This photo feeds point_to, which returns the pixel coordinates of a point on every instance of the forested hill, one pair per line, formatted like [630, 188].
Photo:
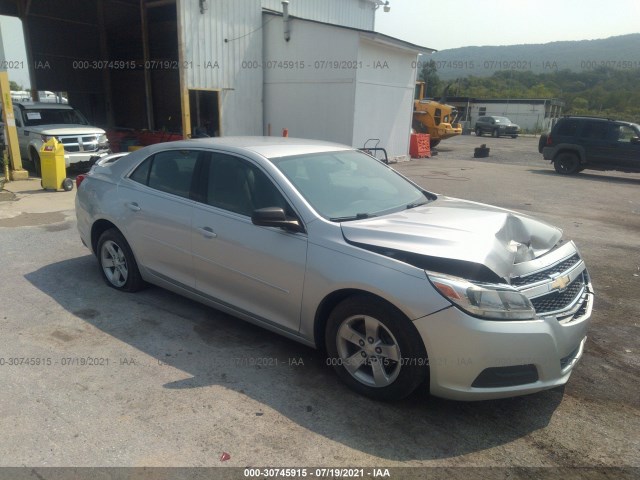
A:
[619, 53]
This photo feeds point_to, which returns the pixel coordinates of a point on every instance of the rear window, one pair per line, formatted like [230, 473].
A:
[170, 171]
[567, 128]
[595, 130]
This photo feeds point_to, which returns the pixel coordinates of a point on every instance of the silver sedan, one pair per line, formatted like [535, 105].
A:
[328, 246]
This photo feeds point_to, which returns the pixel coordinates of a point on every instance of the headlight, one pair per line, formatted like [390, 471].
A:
[46, 138]
[103, 141]
[493, 302]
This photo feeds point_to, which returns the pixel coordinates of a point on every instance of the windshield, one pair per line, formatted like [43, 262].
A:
[52, 116]
[349, 185]
[502, 120]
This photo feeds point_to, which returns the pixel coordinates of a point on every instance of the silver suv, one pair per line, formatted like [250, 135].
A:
[37, 122]
[332, 248]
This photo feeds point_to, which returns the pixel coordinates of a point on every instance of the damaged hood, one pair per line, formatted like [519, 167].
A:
[457, 229]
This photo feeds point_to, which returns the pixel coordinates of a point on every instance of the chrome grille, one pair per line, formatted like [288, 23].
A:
[556, 301]
[80, 143]
[546, 274]
[550, 292]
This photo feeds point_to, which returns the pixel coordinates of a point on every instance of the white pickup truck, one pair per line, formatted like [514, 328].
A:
[37, 122]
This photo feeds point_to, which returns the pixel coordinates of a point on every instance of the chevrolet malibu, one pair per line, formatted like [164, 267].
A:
[330, 247]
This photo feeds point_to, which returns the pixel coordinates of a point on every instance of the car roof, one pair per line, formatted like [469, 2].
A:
[269, 147]
[43, 105]
[591, 118]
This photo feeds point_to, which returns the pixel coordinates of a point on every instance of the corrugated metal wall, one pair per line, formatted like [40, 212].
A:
[223, 49]
[344, 86]
[219, 40]
[313, 99]
[220, 48]
[349, 13]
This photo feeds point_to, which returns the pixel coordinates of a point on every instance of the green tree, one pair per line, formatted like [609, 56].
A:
[429, 75]
[14, 86]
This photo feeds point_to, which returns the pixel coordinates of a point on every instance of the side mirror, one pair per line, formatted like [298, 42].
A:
[275, 217]
[635, 140]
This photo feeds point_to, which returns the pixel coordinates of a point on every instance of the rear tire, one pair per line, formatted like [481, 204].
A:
[566, 163]
[117, 263]
[375, 349]
[478, 132]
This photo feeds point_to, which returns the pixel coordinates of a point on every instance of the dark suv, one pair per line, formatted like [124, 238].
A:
[577, 143]
[496, 126]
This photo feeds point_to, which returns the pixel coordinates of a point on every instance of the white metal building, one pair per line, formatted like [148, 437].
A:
[533, 115]
[225, 67]
[320, 71]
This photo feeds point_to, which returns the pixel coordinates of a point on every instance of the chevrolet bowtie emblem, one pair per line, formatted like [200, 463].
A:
[561, 283]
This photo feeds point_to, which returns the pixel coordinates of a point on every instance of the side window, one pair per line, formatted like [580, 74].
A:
[567, 128]
[240, 187]
[170, 171]
[594, 130]
[622, 133]
[141, 174]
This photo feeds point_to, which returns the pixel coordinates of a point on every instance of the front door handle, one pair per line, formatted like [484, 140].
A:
[133, 206]
[208, 232]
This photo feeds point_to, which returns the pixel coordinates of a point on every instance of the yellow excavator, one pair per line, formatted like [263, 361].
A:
[435, 118]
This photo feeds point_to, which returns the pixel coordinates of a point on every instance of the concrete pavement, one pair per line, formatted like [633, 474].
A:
[26, 203]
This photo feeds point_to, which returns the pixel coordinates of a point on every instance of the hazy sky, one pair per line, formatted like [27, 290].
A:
[443, 24]
[14, 53]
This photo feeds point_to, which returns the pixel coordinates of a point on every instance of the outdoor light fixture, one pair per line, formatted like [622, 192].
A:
[381, 3]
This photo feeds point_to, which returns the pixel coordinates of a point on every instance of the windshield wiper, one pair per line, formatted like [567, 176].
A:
[357, 216]
[416, 204]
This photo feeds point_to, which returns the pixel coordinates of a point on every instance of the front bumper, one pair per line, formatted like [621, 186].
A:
[465, 351]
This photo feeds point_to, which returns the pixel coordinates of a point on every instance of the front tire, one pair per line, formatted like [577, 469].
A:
[375, 349]
[35, 161]
[117, 263]
[566, 163]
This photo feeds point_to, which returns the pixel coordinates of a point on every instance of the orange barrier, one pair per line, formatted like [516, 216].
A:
[420, 147]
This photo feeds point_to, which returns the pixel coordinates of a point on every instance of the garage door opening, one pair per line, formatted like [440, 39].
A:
[205, 113]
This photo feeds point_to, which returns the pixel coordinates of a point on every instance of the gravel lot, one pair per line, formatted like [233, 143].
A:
[153, 379]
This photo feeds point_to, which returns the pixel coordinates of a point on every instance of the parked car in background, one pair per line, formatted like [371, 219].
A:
[46, 96]
[578, 143]
[330, 247]
[496, 127]
[37, 122]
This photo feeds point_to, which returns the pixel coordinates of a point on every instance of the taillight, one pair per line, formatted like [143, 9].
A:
[549, 140]
[79, 179]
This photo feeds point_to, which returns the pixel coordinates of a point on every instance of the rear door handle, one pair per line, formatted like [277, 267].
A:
[207, 232]
[133, 206]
